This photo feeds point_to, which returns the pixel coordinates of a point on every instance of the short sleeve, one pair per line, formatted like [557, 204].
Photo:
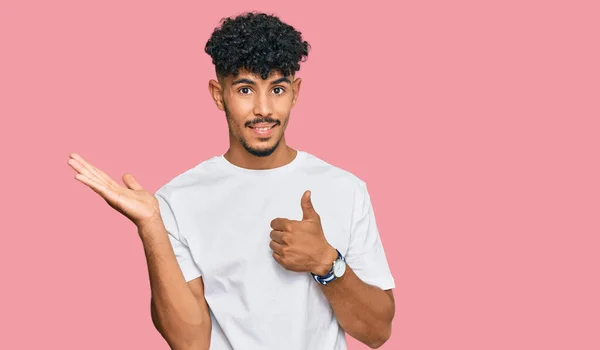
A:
[365, 255]
[182, 252]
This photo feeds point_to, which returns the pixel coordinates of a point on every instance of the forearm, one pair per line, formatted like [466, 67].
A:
[365, 312]
[176, 313]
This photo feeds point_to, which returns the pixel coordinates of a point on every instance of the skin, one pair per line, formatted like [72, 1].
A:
[178, 308]
[365, 312]
[247, 98]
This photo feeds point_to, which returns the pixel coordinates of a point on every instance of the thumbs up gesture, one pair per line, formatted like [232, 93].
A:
[301, 245]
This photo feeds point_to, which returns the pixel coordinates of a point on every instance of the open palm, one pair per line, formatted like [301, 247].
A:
[133, 201]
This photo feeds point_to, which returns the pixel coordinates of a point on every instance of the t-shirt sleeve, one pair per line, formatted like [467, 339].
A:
[182, 252]
[366, 256]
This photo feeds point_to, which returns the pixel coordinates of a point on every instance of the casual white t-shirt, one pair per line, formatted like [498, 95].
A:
[218, 218]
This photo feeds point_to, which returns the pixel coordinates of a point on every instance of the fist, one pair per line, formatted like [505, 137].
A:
[301, 246]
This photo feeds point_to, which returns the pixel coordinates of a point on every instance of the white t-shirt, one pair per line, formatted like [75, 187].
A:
[218, 218]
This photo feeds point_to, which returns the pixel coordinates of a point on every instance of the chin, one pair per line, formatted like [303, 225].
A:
[261, 149]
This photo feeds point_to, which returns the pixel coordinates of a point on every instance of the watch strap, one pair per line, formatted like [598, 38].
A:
[330, 276]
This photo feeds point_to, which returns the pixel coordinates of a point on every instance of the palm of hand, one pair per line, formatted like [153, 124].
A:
[133, 201]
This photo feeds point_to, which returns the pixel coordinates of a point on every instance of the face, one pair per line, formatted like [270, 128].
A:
[257, 109]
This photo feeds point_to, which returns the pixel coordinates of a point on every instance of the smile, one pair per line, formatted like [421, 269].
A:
[263, 129]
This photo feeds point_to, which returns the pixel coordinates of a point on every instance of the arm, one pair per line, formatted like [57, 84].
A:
[178, 308]
[364, 311]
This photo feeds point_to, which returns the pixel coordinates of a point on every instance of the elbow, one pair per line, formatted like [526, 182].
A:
[383, 331]
[376, 344]
[196, 337]
[373, 336]
[191, 334]
[380, 337]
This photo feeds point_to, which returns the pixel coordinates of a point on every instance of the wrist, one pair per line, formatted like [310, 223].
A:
[149, 221]
[326, 262]
[150, 228]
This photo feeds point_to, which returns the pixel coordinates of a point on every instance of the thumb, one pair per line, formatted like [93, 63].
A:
[308, 211]
[131, 182]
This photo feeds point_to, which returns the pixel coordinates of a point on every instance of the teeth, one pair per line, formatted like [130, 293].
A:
[262, 129]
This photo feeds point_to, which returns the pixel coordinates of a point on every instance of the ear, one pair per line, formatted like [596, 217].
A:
[216, 91]
[296, 88]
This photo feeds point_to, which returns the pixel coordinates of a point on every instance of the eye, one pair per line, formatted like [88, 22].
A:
[244, 90]
[278, 90]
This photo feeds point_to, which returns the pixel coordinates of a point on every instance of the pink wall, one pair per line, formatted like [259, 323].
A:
[476, 127]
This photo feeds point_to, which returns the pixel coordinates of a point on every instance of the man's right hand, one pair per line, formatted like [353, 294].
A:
[137, 204]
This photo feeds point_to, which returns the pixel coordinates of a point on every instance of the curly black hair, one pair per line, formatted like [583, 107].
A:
[256, 42]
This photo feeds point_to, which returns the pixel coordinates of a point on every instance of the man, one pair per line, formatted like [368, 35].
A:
[265, 246]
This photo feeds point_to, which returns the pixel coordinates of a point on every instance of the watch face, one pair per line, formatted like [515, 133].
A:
[339, 267]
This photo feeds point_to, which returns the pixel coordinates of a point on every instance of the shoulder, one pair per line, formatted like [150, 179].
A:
[331, 174]
[191, 179]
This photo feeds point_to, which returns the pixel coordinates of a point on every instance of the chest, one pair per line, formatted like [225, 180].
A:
[228, 227]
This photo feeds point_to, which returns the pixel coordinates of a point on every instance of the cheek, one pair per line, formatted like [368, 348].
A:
[282, 107]
[239, 110]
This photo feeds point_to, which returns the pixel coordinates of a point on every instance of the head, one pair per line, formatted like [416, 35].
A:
[256, 57]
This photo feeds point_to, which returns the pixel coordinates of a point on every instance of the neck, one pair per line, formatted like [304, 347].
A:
[238, 156]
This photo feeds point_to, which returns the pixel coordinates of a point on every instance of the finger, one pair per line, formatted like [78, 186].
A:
[308, 211]
[280, 224]
[98, 187]
[97, 172]
[276, 247]
[277, 236]
[82, 169]
[278, 258]
[86, 168]
[131, 182]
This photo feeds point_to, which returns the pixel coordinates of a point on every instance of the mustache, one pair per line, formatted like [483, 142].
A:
[268, 120]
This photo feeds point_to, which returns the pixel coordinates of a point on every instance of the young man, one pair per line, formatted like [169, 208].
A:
[265, 246]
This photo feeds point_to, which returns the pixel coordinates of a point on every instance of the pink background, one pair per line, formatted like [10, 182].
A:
[475, 125]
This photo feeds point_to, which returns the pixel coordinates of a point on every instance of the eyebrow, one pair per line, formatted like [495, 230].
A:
[251, 82]
[281, 80]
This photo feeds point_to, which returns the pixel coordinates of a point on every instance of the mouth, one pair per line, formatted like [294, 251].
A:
[263, 129]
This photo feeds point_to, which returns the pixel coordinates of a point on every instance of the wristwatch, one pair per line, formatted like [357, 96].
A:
[337, 270]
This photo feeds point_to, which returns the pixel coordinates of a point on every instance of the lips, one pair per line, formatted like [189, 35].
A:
[263, 129]
[263, 126]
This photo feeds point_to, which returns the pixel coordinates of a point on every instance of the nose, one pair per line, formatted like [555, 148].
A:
[262, 106]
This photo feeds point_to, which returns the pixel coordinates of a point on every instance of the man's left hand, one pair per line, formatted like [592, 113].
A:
[301, 245]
